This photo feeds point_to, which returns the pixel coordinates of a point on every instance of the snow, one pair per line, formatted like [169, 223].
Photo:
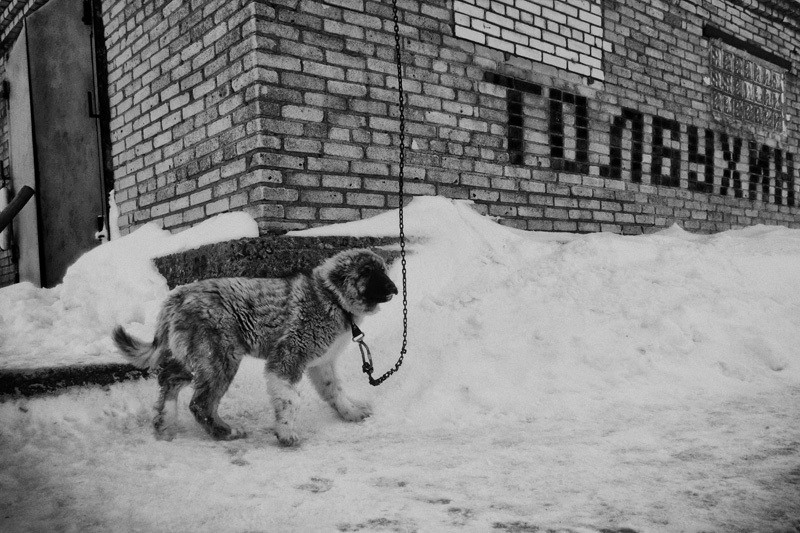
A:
[115, 283]
[552, 382]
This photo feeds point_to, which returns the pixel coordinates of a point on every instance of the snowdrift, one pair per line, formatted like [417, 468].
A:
[525, 323]
[500, 320]
[115, 283]
[552, 382]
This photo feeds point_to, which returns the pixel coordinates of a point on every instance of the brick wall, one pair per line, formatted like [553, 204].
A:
[595, 119]
[566, 34]
[183, 94]
[8, 268]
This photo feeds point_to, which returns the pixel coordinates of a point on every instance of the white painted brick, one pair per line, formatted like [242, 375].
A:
[470, 35]
[598, 74]
[556, 40]
[567, 54]
[543, 46]
[527, 29]
[554, 61]
[529, 7]
[592, 19]
[500, 20]
[567, 9]
[581, 4]
[529, 53]
[486, 27]
[591, 62]
[499, 44]
[514, 37]
[461, 19]
[580, 26]
[579, 68]
[459, 6]
[555, 16]
[578, 46]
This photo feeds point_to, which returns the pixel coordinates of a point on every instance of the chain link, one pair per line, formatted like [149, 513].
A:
[401, 199]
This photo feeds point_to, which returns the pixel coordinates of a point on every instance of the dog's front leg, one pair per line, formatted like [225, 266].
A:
[285, 401]
[327, 383]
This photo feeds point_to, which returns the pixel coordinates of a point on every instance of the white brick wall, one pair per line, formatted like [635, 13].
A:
[565, 34]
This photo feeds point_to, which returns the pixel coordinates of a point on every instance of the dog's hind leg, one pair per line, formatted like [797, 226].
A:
[327, 383]
[172, 377]
[212, 377]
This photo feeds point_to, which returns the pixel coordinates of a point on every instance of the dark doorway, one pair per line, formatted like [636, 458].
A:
[64, 132]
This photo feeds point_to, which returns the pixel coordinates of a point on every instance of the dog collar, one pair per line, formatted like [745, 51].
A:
[358, 335]
[366, 354]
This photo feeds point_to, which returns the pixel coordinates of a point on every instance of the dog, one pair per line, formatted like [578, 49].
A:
[297, 325]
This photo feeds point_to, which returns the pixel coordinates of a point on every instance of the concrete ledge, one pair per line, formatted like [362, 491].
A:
[36, 381]
[261, 257]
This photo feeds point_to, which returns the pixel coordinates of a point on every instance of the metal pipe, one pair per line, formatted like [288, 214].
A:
[15, 206]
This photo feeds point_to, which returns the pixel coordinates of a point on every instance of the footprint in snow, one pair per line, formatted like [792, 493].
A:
[316, 485]
[386, 482]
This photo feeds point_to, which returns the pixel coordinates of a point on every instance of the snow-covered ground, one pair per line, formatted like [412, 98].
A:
[553, 382]
[116, 283]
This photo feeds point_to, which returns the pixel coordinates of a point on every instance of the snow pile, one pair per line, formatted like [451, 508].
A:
[115, 283]
[492, 310]
[552, 382]
[516, 323]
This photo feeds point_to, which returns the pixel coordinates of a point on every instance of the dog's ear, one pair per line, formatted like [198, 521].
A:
[339, 275]
[336, 271]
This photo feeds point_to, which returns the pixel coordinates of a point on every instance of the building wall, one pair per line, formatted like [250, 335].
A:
[183, 95]
[566, 116]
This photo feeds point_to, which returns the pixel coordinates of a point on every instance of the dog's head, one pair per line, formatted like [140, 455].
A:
[359, 280]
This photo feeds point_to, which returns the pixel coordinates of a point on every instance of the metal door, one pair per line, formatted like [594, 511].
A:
[23, 161]
[70, 193]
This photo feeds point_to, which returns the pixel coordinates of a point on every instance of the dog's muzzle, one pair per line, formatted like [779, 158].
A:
[380, 289]
[391, 290]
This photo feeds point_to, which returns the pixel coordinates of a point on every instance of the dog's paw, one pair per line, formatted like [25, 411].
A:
[162, 430]
[165, 434]
[288, 439]
[225, 432]
[235, 433]
[354, 411]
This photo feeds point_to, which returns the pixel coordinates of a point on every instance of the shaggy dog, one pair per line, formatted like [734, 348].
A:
[295, 324]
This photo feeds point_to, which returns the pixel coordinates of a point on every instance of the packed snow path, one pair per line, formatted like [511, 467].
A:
[86, 461]
[553, 382]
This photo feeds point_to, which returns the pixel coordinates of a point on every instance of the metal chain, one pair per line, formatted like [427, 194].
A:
[366, 356]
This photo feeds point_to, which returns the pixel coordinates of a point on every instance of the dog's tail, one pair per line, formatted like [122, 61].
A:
[138, 353]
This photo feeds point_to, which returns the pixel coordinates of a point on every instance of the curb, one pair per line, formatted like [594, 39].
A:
[21, 382]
